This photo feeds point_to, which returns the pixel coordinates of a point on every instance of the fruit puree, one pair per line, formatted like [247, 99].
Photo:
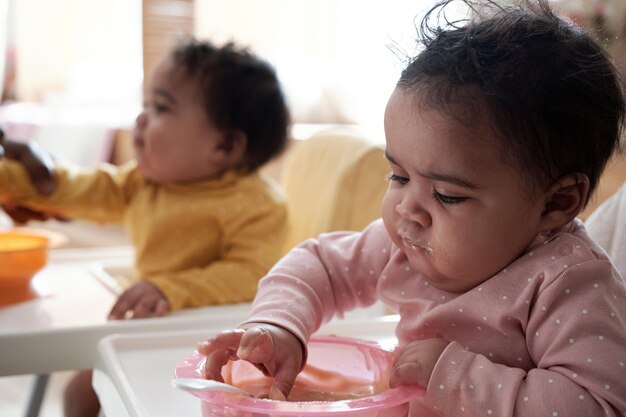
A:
[312, 384]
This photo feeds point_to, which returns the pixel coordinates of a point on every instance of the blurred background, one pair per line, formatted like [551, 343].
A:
[83, 62]
[73, 70]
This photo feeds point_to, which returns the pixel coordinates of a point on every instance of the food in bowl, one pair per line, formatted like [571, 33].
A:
[343, 376]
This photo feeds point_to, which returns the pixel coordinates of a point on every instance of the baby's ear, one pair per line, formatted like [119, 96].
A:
[565, 198]
[233, 146]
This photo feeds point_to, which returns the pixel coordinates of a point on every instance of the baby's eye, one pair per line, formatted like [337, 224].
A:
[447, 199]
[397, 178]
[160, 108]
[156, 105]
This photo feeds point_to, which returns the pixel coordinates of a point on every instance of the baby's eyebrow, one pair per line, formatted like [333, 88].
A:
[452, 179]
[165, 94]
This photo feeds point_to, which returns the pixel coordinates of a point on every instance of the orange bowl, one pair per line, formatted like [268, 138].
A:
[22, 255]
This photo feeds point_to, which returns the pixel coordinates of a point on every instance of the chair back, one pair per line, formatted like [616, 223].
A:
[333, 181]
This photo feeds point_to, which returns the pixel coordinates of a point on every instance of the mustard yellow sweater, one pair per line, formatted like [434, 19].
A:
[200, 243]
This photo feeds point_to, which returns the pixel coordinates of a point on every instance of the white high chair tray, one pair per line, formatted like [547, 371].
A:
[133, 372]
[116, 277]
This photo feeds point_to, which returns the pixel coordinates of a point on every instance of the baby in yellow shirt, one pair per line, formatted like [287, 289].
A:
[205, 224]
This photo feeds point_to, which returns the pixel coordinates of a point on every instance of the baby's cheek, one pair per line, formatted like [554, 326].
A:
[454, 256]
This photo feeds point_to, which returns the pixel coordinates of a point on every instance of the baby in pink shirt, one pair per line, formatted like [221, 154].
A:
[497, 134]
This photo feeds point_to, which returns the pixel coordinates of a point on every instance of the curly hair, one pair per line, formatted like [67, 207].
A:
[241, 93]
[551, 93]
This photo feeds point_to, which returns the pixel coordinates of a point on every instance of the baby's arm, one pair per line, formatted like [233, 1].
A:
[309, 285]
[99, 195]
[575, 335]
[245, 256]
[40, 168]
[38, 163]
[323, 278]
[274, 350]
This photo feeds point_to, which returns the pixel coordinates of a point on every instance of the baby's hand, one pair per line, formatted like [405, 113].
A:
[416, 361]
[272, 349]
[139, 301]
[22, 215]
[40, 167]
[37, 162]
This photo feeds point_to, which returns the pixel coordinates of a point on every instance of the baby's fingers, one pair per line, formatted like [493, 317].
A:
[416, 362]
[124, 305]
[218, 350]
[224, 340]
[283, 382]
[409, 373]
[256, 346]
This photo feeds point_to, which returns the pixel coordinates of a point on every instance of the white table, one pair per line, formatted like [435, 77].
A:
[133, 372]
[60, 330]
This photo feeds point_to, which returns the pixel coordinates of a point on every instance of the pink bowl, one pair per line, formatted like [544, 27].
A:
[356, 371]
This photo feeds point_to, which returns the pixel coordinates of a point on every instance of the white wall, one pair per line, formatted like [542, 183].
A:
[84, 50]
[332, 55]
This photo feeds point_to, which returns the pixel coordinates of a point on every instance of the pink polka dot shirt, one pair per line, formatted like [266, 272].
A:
[546, 336]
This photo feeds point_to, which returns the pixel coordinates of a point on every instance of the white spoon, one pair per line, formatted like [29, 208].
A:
[200, 384]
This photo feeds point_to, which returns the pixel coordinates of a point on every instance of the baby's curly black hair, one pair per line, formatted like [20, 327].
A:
[551, 93]
[241, 93]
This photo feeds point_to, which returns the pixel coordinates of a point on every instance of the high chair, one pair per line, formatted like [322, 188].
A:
[334, 180]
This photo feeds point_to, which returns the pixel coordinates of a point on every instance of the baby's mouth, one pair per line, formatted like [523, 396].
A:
[417, 244]
[138, 142]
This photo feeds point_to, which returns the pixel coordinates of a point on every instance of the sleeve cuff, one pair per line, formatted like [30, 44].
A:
[444, 381]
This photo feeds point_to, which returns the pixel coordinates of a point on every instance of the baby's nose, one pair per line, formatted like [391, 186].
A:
[414, 213]
[141, 119]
